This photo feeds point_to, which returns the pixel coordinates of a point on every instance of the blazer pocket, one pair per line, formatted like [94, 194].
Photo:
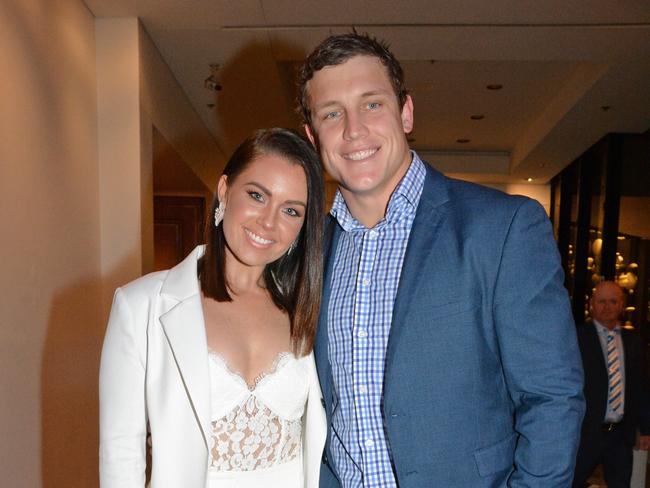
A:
[497, 457]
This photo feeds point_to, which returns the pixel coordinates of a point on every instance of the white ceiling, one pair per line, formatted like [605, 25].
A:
[559, 61]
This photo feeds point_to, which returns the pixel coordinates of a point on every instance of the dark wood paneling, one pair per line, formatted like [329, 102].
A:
[178, 228]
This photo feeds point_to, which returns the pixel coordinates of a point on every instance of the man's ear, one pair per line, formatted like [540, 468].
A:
[222, 188]
[407, 114]
[310, 135]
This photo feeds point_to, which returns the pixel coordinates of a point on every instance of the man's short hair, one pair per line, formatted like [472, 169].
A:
[337, 50]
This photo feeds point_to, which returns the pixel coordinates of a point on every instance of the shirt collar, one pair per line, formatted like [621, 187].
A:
[604, 330]
[404, 199]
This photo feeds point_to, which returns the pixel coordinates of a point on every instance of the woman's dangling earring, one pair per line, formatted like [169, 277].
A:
[218, 213]
[291, 247]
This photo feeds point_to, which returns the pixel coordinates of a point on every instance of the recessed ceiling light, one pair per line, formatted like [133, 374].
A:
[494, 86]
[477, 117]
[529, 179]
[462, 141]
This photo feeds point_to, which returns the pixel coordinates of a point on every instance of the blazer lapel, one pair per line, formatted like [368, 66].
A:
[598, 351]
[185, 331]
[321, 343]
[422, 241]
[315, 428]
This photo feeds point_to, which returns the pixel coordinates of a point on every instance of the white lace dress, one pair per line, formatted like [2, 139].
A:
[257, 429]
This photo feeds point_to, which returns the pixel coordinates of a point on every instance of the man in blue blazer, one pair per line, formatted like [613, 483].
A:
[446, 350]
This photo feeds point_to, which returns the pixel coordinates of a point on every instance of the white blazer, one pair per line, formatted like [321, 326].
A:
[154, 370]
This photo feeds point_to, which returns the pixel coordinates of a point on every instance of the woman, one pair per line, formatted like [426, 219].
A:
[213, 357]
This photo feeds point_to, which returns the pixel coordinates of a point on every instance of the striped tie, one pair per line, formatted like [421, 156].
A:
[615, 396]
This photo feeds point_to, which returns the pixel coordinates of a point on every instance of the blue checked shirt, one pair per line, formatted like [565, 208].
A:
[366, 272]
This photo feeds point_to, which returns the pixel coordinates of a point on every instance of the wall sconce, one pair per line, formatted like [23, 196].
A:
[212, 82]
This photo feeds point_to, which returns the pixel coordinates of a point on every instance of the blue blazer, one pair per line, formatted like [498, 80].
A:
[483, 378]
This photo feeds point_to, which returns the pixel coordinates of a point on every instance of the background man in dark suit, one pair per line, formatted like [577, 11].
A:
[446, 350]
[616, 391]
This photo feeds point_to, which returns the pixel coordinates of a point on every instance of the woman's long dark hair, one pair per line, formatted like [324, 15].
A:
[294, 281]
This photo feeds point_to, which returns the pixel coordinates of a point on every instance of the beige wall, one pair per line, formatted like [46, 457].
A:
[120, 174]
[50, 328]
[541, 193]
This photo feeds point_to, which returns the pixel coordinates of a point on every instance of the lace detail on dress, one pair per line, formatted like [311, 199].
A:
[279, 361]
[251, 436]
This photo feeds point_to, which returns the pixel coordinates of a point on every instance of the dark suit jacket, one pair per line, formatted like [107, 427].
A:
[483, 381]
[637, 399]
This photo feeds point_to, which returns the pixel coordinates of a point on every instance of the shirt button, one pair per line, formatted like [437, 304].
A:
[363, 388]
[366, 281]
[362, 333]
[369, 443]
[372, 234]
